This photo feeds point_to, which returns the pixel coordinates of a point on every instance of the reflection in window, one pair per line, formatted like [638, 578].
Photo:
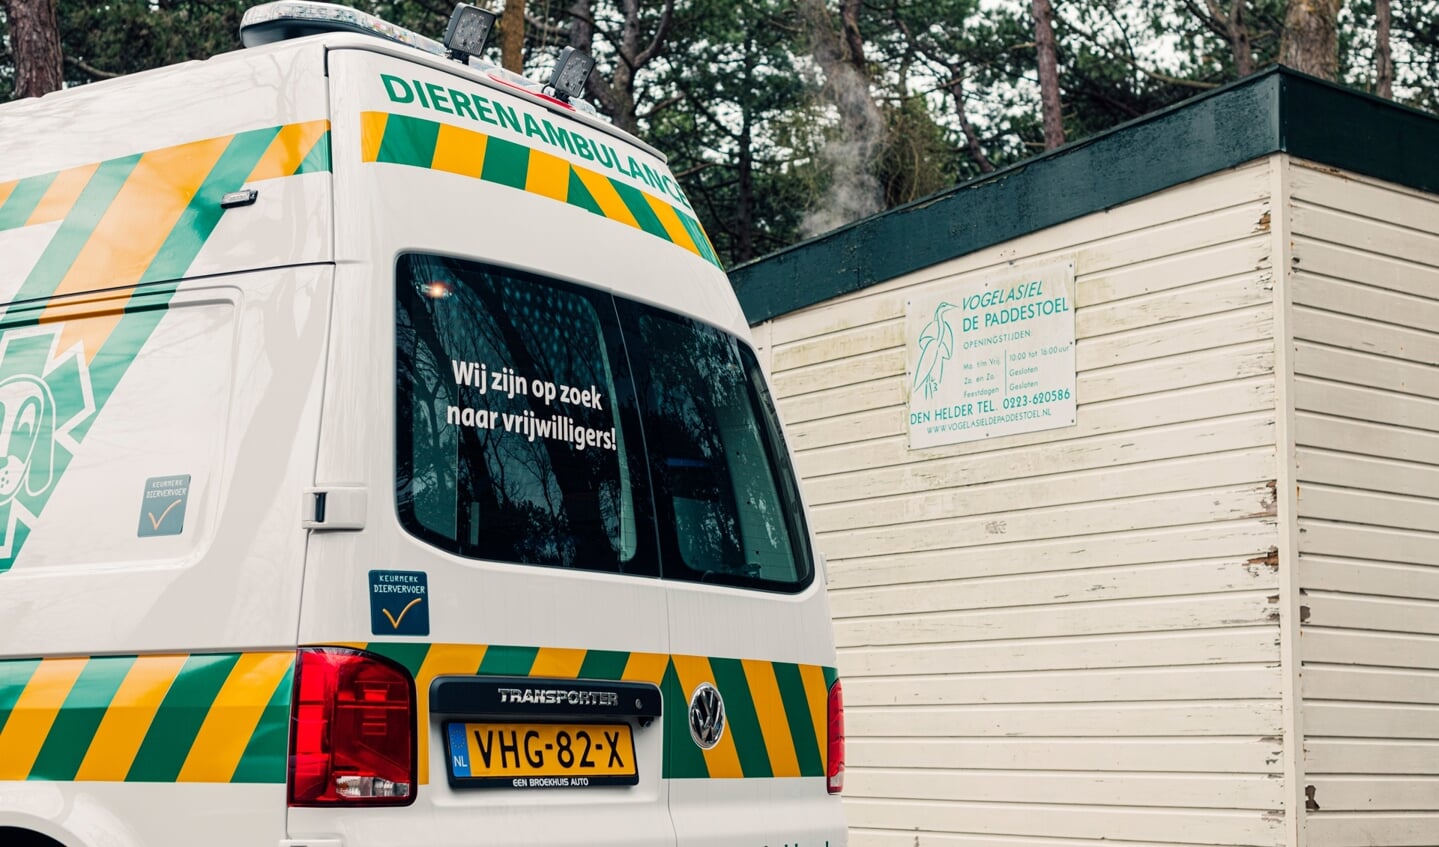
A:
[535, 418]
[714, 452]
[516, 451]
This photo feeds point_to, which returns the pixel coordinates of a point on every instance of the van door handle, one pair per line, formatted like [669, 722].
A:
[334, 507]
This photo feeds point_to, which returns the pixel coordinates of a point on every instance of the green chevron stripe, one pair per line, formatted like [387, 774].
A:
[604, 664]
[796, 712]
[508, 661]
[75, 726]
[266, 757]
[14, 676]
[179, 718]
[22, 201]
[741, 718]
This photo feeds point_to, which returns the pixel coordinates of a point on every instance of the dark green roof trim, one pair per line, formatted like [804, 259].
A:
[1278, 110]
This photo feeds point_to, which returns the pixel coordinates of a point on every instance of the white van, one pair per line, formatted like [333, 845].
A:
[386, 463]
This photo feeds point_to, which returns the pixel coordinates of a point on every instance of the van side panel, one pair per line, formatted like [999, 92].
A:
[159, 402]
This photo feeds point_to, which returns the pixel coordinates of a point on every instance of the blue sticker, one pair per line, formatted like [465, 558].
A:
[399, 603]
[459, 750]
[162, 507]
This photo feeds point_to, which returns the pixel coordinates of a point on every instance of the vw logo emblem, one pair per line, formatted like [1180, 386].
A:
[706, 716]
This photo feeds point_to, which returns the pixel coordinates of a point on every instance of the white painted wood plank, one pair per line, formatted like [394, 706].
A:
[906, 838]
[1209, 791]
[1135, 450]
[1366, 301]
[1359, 829]
[1238, 218]
[1172, 579]
[1176, 372]
[1349, 401]
[1338, 365]
[1245, 252]
[1239, 682]
[1370, 720]
[1254, 755]
[1369, 685]
[1380, 544]
[1211, 297]
[1103, 617]
[1232, 503]
[1394, 342]
[1375, 236]
[1362, 577]
[1133, 415]
[843, 344]
[1253, 323]
[1371, 269]
[886, 393]
[1374, 439]
[854, 370]
[1154, 649]
[1132, 720]
[1372, 508]
[1376, 793]
[1371, 756]
[1361, 196]
[895, 501]
[1107, 823]
[1367, 473]
[1383, 649]
[1380, 614]
[861, 428]
[1249, 541]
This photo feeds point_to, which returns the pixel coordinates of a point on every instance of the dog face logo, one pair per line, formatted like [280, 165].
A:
[44, 396]
[27, 430]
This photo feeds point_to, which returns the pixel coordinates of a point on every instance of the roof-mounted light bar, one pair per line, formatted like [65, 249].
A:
[272, 22]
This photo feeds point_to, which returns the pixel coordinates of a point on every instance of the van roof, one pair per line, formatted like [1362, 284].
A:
[95, 109]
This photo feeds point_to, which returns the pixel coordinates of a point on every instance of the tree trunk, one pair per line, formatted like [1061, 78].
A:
[1048, 74]
[35, 44]
[1383, 59]
[971, 138]
[512, 36]
[1239, 39]
[1311, 37]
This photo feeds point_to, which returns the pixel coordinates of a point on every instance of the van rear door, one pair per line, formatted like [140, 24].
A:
[478, 426]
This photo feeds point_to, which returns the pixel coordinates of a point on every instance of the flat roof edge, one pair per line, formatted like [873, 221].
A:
[1277, 110]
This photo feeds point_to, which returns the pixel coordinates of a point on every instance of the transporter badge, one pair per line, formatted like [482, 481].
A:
[706, 716]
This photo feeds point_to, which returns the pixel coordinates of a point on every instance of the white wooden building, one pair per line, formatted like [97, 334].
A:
[1208, 611]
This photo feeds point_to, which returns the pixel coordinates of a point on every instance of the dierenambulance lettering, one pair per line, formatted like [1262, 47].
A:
[478, 108]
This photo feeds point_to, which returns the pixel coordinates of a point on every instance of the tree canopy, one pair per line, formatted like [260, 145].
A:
[786, 118]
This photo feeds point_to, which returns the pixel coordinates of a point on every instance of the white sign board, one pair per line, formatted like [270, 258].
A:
[992, 357]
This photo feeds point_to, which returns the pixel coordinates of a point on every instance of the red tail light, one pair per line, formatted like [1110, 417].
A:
[835, 770]
[352, 730]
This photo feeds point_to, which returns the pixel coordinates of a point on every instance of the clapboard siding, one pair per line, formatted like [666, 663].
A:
[1028, 624]
[1365, 324]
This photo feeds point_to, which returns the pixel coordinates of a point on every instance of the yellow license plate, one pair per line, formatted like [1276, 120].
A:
[542, 755]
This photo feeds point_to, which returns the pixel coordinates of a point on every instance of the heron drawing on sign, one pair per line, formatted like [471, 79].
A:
[936, 346]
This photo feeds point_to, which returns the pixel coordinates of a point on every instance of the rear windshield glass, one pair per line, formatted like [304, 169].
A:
[546, 423]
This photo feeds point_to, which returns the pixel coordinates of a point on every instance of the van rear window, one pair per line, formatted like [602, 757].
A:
[546, 423]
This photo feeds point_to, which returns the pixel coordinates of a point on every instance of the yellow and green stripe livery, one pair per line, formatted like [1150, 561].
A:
[404, 140]
[775, 711]
[162, 718]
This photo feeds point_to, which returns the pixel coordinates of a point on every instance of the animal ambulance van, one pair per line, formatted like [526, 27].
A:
[386, 462]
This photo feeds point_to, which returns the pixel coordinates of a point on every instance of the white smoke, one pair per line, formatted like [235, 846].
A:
[847, 158]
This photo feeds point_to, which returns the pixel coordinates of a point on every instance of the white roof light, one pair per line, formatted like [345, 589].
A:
[273, 22]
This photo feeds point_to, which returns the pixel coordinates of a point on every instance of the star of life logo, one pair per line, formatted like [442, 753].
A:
[45, 395]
